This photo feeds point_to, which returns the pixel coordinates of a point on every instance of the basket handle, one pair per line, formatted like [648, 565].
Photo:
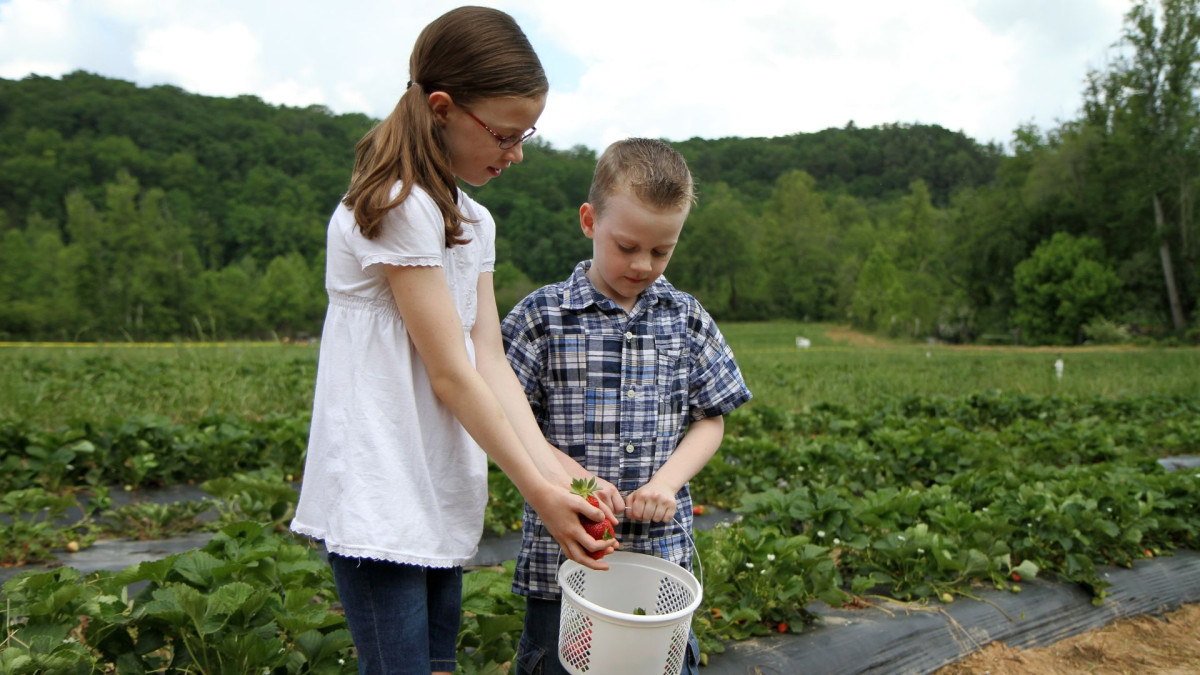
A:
[695, 549]
[675, 519]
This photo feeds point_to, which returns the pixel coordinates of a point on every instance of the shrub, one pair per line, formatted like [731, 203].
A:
[1102, 331]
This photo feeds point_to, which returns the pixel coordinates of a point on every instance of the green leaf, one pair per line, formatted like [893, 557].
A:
[197, 567]
[190, 601]
[319, 648]
[235, 597]
[1026, 570]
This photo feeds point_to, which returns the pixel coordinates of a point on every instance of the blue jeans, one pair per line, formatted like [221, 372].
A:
[537, 654]
[403, 618]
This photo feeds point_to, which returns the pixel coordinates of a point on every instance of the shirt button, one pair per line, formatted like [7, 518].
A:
[630, 394]
[629, 447]
[628, 336]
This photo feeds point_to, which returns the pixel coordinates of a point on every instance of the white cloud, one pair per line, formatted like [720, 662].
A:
[781, 68]
[291, 92]
[17, 69]
[219, 61]
[668, 68]
[38, 19]
[29, 31]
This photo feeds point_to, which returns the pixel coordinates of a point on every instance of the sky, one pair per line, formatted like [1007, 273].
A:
[672, 69]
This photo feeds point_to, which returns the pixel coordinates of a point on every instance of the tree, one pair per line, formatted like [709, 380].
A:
[143, 204]
[289, 298]
[715, 257]
[1147, 104]
[228, 302]
[799, 245]
[880, 300]
[921, 230]
[1064, 285]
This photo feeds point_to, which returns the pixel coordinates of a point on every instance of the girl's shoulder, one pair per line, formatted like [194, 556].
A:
[471, 208]
[418, 198]
[420, 201]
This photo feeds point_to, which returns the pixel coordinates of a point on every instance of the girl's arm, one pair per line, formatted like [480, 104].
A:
[425, 304]
[656, 499]
[491, 362]
[607, 494]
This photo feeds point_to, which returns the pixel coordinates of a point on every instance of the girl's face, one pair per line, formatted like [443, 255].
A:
[631, 245]
[475, 152]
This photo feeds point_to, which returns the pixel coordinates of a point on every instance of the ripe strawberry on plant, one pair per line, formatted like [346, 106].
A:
[599, 529]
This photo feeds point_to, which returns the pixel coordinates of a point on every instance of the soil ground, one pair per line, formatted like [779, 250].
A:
[1142, 645]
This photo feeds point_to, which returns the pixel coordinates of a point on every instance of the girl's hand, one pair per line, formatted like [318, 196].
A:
[560, 511]
[651, 502]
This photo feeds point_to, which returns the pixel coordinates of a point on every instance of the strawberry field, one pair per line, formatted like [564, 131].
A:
[915, 472]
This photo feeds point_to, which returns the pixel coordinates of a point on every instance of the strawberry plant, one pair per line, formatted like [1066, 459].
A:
[757, 577]
[492, 619]
[506, 506]
[150, 520]
[30, 525]
[41, 640]
[912, 497]
[249, 601]
[260, 496]
[148, 451]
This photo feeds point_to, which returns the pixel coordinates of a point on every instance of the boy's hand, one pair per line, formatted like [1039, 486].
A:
[611, 500]
[651, 502]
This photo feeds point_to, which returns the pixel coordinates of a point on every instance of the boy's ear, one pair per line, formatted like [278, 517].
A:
[587, 220]
[440, 103]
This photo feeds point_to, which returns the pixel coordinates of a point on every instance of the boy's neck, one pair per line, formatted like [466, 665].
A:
[626, 304]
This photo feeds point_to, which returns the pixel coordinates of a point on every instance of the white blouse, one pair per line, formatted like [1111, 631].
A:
[390, 473]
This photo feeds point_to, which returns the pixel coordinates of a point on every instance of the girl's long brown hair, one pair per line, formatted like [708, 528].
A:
[471, 53]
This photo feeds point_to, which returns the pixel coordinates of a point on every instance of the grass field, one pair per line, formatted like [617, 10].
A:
[50, 385]
[846, 369]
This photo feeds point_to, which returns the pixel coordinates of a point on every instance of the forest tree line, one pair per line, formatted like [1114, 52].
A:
[131, 213]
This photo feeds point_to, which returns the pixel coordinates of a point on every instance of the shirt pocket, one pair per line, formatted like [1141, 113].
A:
[671, 382]
[671, 365]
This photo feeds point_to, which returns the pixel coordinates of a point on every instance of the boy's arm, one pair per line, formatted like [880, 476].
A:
[656, 499]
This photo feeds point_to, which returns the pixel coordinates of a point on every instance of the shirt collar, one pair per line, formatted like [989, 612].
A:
[580, 293]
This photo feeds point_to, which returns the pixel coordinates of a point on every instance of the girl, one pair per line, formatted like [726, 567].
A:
[412, 378]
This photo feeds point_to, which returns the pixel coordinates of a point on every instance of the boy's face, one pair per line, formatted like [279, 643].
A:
[631, 245]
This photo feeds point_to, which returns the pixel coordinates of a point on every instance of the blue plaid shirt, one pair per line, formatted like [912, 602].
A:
[616, 392]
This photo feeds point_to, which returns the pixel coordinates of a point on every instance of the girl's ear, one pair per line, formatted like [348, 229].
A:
[587, 220]
[440, 103]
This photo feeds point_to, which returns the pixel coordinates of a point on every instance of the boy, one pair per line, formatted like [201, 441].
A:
[627, 376]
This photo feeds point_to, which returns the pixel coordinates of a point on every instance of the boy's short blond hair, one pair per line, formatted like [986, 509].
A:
[653, 172]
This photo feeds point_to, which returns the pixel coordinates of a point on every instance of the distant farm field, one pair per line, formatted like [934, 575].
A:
[844, 368]
[52, 385]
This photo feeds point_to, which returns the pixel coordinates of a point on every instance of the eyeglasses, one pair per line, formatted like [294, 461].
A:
[506, 142]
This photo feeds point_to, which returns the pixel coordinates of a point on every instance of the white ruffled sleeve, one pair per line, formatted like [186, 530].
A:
[412, 235]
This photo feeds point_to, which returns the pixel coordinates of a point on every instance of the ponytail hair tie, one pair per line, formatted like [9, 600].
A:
[411, 83]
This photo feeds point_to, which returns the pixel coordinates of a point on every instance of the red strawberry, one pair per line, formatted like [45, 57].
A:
[599, 529]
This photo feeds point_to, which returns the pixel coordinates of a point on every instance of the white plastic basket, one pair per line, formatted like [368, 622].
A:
[598, 632]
